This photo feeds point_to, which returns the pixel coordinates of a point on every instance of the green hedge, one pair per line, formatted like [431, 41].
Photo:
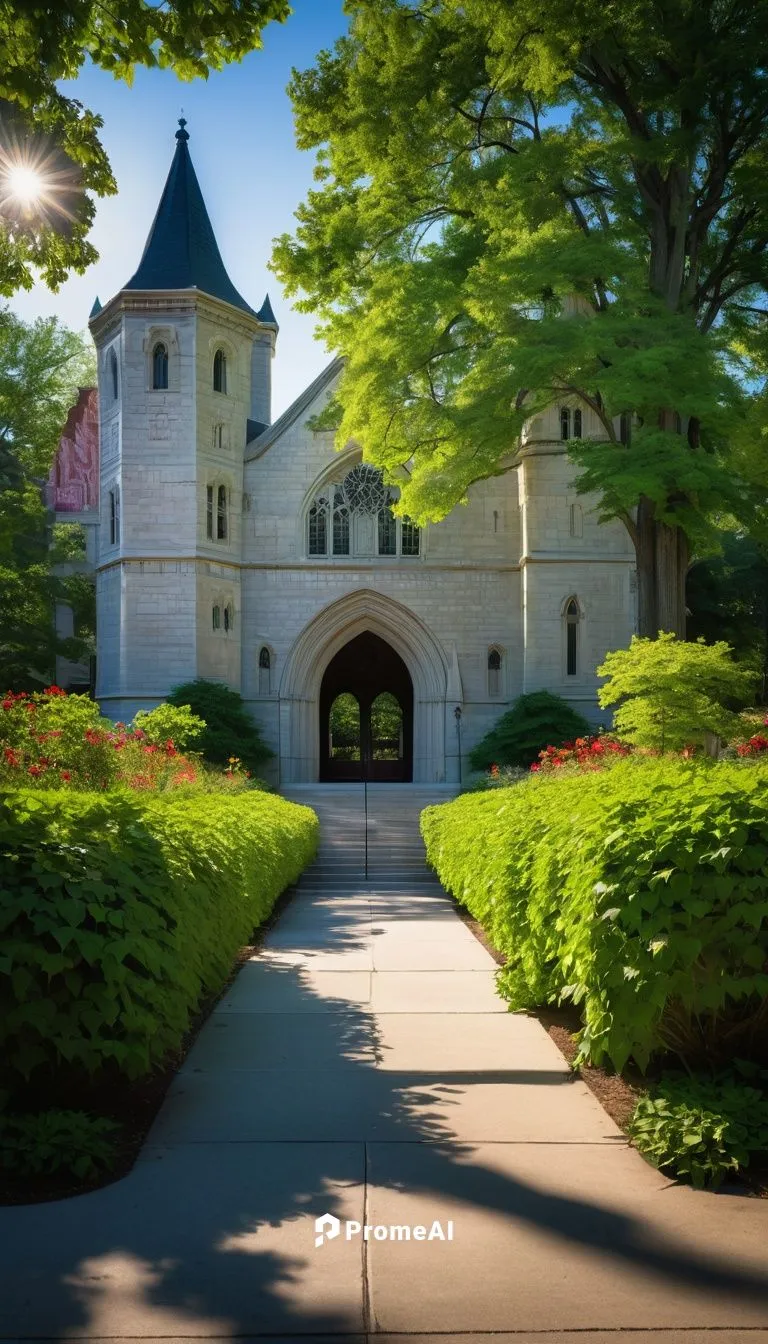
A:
[119, 912]
[639, 892]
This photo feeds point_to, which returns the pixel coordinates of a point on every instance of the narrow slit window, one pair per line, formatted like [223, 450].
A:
[576, 520]
[229, 619]
[494, 673]
[160, 366]
[113, 378]
[209, 512]
[625, 427]
[114, 517]
[565, 423]
[220, 371]
[571, 637]
[221, 513]
[577, 423]
[216, 617]
[265, 670]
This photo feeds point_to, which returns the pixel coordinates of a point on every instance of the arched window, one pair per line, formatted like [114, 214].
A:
[216, 614]
[113, 381]
[221, 514]
[229, 617]
[576, 521]
[265, 671]
[494, 673]
[577, 423]
[160, 365]
[565, 423]
[219, 371]
[354, 516]
[571, 637]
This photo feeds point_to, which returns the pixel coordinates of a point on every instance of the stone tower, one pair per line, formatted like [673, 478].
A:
[184, 369]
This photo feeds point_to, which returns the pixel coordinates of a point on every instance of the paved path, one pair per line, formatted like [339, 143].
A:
[363, 1066]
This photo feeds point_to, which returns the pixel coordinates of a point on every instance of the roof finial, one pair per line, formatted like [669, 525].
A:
[181, 134]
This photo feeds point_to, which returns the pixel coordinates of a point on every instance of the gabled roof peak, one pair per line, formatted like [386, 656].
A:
[181, 251]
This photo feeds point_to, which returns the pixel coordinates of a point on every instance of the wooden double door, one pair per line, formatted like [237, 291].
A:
[366, 714]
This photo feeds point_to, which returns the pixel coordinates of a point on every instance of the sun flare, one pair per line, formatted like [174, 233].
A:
[25, 184]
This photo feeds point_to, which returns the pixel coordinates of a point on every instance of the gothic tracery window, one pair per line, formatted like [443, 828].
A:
[354, 517]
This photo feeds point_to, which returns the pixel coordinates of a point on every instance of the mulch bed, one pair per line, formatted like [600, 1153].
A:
[133, 1105]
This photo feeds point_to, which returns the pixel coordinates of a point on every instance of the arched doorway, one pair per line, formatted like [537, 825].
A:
[366, 714]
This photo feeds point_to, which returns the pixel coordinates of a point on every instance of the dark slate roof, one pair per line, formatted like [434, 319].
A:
[181, 251]
[253, 428]
[265, 313]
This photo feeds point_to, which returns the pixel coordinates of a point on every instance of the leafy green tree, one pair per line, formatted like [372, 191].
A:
[674, 693]
[41, 367]
[41, 126]
[535, 721]
[519, 204]
[230, 733]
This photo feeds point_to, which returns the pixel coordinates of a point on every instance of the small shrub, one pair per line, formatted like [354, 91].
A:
[533, 722]
[57, 1142]
[174, 723]
[639, 893]
[230, 732]
[674, 693]
[118, 912]
[702, 1129]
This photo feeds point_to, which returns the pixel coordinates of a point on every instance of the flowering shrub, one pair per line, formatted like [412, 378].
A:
[755, 745]
[55, 740]
[586, 753]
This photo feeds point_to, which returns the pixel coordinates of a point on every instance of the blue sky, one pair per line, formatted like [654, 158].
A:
[252, 176]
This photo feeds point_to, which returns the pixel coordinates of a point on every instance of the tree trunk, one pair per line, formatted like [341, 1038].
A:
[662, 564]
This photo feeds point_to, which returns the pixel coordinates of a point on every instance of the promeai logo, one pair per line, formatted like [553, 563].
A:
[327, 1227]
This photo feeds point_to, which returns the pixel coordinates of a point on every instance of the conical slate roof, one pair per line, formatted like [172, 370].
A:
[181, 251]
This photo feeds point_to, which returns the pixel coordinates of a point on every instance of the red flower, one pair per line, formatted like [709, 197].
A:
[35, 770]
[12, 757]
[54, 690]
[66, 775]
[535, 766]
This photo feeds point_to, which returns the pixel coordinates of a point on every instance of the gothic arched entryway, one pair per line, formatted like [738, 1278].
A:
[366, 714]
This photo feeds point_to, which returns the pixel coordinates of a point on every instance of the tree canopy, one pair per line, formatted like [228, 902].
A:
[41, 367]
[520, 204]
[40, 125]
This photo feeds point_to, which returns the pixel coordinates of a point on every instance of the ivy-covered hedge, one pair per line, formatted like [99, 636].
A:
[118, 913]
[640, 893]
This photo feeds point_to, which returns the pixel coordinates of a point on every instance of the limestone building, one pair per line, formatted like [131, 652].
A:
[237, 548]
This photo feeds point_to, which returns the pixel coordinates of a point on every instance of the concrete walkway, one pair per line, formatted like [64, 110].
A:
[362, 1066]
